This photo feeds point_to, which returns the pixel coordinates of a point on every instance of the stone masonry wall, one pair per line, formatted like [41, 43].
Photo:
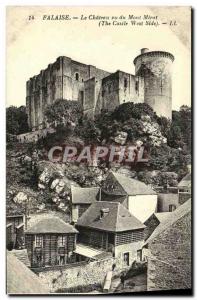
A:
[169, 261]
[81, 274]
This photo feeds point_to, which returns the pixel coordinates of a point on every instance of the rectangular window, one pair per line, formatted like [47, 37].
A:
[38, 240]
[125, 83]
[126, 258]
[62, 241]
[137, 86]
[139, 255]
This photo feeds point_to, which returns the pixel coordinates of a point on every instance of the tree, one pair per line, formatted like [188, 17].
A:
[65, 112]
[16, 120]
[179, 133]
[129, 110]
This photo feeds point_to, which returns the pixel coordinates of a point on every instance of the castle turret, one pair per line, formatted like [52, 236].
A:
[155, 68]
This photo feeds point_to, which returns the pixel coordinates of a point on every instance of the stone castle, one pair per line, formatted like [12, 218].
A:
[97, 89]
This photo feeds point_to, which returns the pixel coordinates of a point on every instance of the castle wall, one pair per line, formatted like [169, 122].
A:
[155, 67]
[97, 89]
[110, 91]
[131, 88]
[64, 79]
[89, 99]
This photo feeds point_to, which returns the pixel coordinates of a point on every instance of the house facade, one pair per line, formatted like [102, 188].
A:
[50, 242]
[15, 231]
[136, 196]
[167, 202]
[110, 226]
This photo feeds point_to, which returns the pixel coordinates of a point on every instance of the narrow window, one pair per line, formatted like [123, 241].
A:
[77, 76]
[161, 85]
[139, 255]
[125, 83]
[126, 258]
[137, 86]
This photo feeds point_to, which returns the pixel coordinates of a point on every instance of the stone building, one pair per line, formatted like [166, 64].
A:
[98, 89]
[50, 242]
[168, 252]
[109, 226]
[139, 198]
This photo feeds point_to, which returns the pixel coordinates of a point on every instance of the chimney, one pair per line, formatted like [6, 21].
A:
[144, 50]
[104, 212]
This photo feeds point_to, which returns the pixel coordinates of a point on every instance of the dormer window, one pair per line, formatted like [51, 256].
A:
[104, 212]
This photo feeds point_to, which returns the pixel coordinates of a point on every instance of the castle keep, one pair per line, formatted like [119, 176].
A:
[97, 89]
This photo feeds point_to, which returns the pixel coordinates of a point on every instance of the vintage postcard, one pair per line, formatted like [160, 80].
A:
[99, 138]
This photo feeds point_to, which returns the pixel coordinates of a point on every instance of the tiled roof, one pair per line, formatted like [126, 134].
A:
[84, 195]
[186, 181]
[174, 216]
[51, 225]
[117, 219]
[112, 198]
[133, 186]
[21, 280]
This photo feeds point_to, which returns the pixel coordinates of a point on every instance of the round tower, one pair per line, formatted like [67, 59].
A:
[155, 67]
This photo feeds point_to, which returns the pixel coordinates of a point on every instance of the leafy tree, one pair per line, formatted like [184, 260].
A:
[64, 112]
[129, 110]
[16, 119]
[179, 133]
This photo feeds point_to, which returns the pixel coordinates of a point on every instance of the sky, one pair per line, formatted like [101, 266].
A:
[33, 44]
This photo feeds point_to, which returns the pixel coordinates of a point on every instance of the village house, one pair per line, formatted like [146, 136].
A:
[110, 227]
[167, 202]
[184, 189]
[81, 199]
[168, 252]
[15, 231]
[139, 198]
[50, 242]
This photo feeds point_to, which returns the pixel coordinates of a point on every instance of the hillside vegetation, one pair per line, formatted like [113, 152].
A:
[167, 144]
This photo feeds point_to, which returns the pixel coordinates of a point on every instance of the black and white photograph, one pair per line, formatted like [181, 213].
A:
[98, 150]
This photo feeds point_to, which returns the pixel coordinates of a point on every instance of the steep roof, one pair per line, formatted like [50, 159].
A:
[133, 186]
[84, 195]
[21, 280]
[51, 225]
[116, 220]
[112, 198]
[174, 216]
[186, 181]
